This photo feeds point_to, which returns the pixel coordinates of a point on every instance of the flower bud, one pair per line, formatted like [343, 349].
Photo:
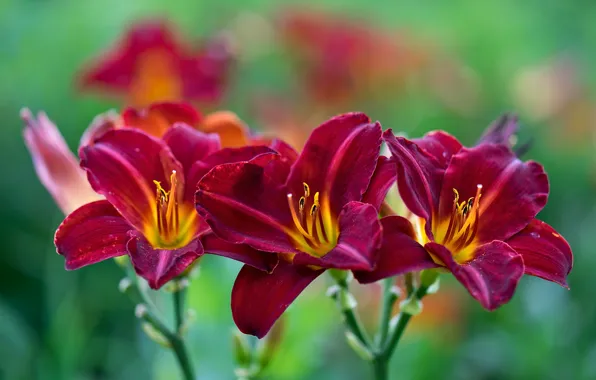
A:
[155, 335]
[358, 347]
[242, 350]
[411, 306]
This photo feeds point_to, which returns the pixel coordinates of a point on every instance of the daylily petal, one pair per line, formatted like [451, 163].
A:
[399, 253]
[205, 74]
[500, 131]
[117, 68]
[285, 150]
[259, 298]
[338, 159]
[265, 261]
[419, 175]
[243, 203]
[491, 278]
[99, 125]
[439, 144]
[92, 233]
[159, 117]
[358, 242]
[159, 266]
[546, 254]
[224, 156]
[232, 131]
[383, 178]
[189, 146]
[55, 165]
[513, 192]
[122, 165]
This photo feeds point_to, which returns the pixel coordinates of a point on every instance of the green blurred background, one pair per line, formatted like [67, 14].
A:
[534, 57]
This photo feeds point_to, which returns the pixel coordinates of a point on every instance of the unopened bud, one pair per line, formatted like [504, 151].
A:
[140, 311]
[122, 261]
[155, 335]
[241, 349]
[346, 300]
[411, 306]
[333, 291]
[430, 280]
[124, 284]
[358, 347]
[267, 346]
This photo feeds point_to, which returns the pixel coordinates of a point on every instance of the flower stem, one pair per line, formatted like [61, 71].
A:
[347, 304]
[402, 322]
[380, 368]
[179, 307]
[389, 298]
[148, 314]
[175, 341]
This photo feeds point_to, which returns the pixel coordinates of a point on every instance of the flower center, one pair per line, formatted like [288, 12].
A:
[315, 232]
[174, 225]
[155, 79]
[462, 227]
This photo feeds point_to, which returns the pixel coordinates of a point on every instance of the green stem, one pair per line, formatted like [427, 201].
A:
[179, 295]
[402, 323]
[347, 304]
[137, 294]
[389, 298]
[176, 342]
[380, 368]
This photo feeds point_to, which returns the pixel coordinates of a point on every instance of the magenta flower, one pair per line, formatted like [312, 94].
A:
[473, 213]
[317, 211]
[148, 213]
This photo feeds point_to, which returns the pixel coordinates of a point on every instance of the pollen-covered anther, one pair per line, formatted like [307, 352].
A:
[167, 214]
[463, 223]
[309, 224]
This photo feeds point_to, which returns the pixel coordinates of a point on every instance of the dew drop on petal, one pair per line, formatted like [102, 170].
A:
[535, 235]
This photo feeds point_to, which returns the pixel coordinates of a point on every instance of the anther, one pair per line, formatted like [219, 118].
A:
[306, 189]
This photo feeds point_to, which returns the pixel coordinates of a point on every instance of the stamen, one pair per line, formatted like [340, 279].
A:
[295, 217]
[301, 203]
[306, 189]
[463, 223]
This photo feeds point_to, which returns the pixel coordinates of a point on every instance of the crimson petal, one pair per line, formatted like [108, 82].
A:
[419, 176]
[491, 277]
[500, 131]
[513, 192]
[439, 144]
[359, 238]
[338, 159]
[92, 233]
[546, 254]
[265, 261]
[122, 165]
[245, 202]
[398, 254]
[224, 156]
[285, 150]
[259, 298]
[159, 266]
[383, 178]
[190, 146]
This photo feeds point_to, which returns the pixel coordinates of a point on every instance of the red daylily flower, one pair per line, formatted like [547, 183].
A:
[55, 165]
[317, 210]
[148, 213]
[473, 213]
[151, 65]
[341, 57]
